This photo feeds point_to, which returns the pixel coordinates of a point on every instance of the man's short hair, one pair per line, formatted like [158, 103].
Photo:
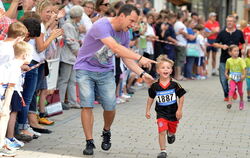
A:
[22, 48]
[17, 29]
[127, 9]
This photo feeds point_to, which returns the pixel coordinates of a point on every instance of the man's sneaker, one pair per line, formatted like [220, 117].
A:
[226, 99]
[235, 96]
[162, 155]
[171, 139]
[11, 144]
[106, 136]
[241, 106]
[229, 106]
[89, 148]
[45, 121]
[4, 151]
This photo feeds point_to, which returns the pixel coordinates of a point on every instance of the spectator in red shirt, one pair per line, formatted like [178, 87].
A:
[214, 27]
[4, 24]
[246, 32]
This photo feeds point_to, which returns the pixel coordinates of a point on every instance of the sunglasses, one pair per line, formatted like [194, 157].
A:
[106, 4]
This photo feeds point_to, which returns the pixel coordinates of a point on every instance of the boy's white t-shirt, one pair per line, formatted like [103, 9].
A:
[200, 40]
[150, 32]
[10, 73]
[6, 52]
[7, 56]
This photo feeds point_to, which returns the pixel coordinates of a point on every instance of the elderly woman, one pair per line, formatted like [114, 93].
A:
[66, 79]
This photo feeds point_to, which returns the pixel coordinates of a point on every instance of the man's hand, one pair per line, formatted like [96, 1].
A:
[148, 79]
[224, 47]
[178, 114]
[146, 63]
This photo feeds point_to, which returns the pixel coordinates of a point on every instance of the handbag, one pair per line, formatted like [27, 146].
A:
[193, 50]
[54, 106]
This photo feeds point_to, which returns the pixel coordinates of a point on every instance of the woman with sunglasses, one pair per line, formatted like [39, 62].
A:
[102, 6]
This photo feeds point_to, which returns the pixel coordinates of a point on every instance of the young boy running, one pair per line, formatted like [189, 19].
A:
[168, 109]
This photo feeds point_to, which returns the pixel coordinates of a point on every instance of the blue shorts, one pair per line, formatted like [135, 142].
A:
[199, 61]
[101, 83]
[16, 102]
[211, 48]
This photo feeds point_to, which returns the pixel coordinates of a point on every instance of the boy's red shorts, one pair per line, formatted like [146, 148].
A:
[166, 125]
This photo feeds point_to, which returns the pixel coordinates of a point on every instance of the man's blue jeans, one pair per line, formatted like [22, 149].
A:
[223, 79]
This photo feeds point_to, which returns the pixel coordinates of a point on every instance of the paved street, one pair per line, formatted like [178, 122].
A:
[207, 130]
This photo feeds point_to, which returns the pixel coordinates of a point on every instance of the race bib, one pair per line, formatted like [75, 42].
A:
[165, 98]
[236, 76]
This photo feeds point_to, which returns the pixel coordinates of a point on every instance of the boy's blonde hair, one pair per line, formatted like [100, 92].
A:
[163, 58]
[17, 29]
[22, 49]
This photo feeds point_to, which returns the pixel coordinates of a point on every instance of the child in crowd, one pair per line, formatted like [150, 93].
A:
[235, 73]
[10, 73]
[199, 29]
[168, 109]
[247, 60]
[34, 29]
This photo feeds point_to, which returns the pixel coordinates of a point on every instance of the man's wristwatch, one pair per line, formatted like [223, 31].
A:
[142, 74]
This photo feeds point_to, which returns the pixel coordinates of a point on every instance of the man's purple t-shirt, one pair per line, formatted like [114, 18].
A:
[94, 55]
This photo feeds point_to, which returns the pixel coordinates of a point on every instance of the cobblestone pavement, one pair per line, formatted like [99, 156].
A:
[207, 130]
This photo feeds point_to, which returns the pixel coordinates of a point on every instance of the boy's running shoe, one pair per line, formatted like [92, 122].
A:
[162, 155]
[171, 139]
[45, 121]
[106, 136]
[229, 106]
[89, 148]
[241, 106]
[12, 144]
